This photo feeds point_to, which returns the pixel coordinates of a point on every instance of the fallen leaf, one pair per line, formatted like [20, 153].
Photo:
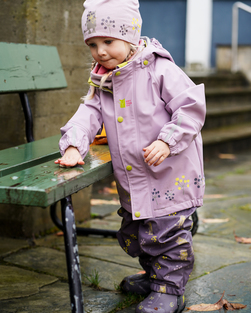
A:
[222, 303]
[208, 307]
[215, 220]
[238, 306]
[60, 233]
[227, 156]
[110, 190]
[214, 196]
[101, 201]
[205, 307]
[242, 239]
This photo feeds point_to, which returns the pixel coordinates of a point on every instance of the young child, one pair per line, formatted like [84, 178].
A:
[153, 114]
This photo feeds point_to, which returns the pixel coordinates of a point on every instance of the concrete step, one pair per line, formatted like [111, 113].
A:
[229, 139]
[228, 96]
[219, 79]
[227, 115]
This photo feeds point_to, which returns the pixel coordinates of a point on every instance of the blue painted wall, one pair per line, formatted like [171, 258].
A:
[165, 20]
[222, 25]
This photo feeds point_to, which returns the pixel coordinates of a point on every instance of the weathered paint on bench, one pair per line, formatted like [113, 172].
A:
[26, 67]
[46, 183]
[23, 156]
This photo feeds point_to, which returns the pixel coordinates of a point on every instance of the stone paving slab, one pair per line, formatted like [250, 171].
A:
[54, 240]
[113, 254]
[53, 262]
[102, 224]
[10, 245]
[16, 282]
[104, 210]
[55, 298]
[213, 253]
[237, 210]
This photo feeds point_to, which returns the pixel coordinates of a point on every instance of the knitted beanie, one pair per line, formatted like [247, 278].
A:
[118, 19]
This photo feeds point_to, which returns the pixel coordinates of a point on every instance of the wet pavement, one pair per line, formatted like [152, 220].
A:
[33, 275]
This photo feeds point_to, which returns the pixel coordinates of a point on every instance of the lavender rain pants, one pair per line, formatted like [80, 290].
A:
[164, 247]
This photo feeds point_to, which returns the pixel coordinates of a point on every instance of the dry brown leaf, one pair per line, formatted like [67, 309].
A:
[237, 306]
[214, 196]
[101, 201]
[222, 303]
[215, 220]
[110, 190]
[227, 156]
[205, 307]
[242, 239]
[208, 307]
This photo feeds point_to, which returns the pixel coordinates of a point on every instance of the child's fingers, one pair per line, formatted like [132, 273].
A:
[160, 160]
[154, 158]
[148, 150]
[81, 162]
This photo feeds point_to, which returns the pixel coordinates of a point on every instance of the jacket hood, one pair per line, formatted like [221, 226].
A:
[154, 47]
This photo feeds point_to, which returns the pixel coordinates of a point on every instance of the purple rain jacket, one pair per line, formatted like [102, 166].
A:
[152, 99]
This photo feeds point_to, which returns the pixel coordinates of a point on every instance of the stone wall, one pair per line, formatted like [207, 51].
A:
[224, 59]
[44, 22]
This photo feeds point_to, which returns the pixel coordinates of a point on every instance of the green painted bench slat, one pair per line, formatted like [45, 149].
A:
[27, 155]
[26, 67]
[46, 183]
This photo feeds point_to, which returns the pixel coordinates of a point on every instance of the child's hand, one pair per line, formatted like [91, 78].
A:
[71, 157]
[156, 153]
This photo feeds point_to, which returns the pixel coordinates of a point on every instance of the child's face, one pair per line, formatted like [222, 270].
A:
[108, 52]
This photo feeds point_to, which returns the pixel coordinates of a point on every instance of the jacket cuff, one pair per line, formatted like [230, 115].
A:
[81, 144]
[171, 143]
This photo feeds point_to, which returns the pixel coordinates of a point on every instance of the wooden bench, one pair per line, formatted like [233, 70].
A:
[28, 174]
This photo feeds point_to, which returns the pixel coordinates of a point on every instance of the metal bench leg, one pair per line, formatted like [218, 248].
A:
[72, 257]
[81, 231]
[28, 116]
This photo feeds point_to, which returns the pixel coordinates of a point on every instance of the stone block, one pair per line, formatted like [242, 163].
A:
[224, 59]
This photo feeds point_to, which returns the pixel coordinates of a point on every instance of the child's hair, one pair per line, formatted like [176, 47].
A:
[90, 96]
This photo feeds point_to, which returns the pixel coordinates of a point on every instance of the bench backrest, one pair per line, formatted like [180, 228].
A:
[25, 67]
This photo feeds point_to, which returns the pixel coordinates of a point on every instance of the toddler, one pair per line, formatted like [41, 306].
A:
[153, 114]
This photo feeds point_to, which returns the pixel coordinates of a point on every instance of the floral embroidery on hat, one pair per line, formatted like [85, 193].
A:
[135, 25]
[91, 22]
[108, 23]
[123, 29]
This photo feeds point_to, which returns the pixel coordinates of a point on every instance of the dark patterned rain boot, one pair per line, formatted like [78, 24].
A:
[161, 303]
[138, 283]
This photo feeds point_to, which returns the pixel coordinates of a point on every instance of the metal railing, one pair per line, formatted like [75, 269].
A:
[235, 17]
